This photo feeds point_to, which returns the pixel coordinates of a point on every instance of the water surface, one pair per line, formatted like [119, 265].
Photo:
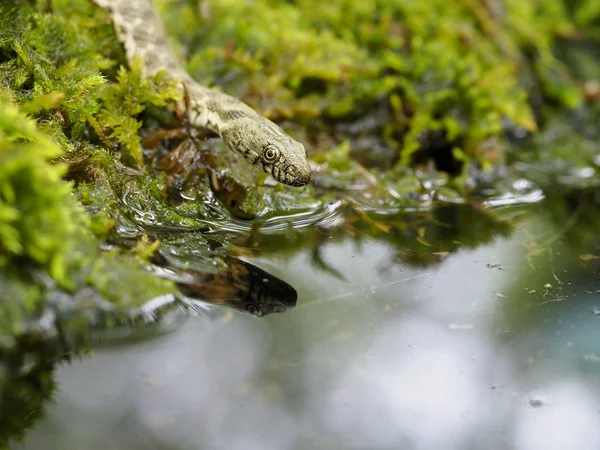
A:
[449, 330]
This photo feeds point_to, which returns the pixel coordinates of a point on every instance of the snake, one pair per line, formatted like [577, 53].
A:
[141, 31]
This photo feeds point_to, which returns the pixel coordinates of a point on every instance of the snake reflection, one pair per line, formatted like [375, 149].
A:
[239, 285]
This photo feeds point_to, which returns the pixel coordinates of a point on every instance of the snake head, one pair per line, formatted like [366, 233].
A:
[265, 145]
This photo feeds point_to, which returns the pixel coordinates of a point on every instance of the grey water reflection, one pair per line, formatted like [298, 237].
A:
[497, 347]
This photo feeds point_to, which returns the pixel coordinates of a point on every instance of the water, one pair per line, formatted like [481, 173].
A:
[451, 330]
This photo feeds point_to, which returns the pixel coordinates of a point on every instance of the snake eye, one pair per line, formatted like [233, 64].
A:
[271, 154]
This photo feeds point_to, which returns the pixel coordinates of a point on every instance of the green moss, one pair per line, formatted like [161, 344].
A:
[124, 100]
[44, 233]
[454, 68]
[47, 62]
[37, 209]
[431, 61]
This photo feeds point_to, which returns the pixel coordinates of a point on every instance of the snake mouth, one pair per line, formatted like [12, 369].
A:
[296, 178]
[301, 181]
[292, 175]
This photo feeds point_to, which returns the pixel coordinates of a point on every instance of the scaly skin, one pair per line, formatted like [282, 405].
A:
[257, 139]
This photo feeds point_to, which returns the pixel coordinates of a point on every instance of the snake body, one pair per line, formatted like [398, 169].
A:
[261, 142]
